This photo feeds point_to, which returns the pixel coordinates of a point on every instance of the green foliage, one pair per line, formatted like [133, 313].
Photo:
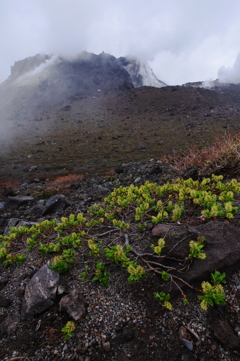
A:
[211, 294]
[196, 248]
[136, 272]
[60, 264]
[165, 276]
[218, 277]
[163, 297]
[101, 274]
[10, 258]
[83, 276]
[68, 329]
[117, 254]
[94, 249]
[158, 249]
[126, 214]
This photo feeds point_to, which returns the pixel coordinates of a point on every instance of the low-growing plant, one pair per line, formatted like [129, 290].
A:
[196, 248]
[211, 294]
[111, 230]
[68, 329]
[101, 274]
[163, 297]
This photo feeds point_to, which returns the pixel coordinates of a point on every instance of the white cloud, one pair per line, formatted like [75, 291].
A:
[183, 40]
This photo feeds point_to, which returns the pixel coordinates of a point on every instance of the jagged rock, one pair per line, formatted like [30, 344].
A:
[225, 334]
[16, 222]
[40, 292]
[74, 305]
[55, 204]
[17, 202]
[8, 326]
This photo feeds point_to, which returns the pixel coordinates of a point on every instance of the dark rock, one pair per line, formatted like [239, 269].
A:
[40, 292]
[19, 201]
[74, 305]
[119, 170]
[56, 204]
[225, 334]
[5, 302]
[128, 334]
[191, 173]
[35, 210]
[156, 169]
[3, 282]
[222, 247]
[9, 325]
[187, 355]
[101, 189]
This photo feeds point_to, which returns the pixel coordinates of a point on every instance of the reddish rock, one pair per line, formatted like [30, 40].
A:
[161, 229]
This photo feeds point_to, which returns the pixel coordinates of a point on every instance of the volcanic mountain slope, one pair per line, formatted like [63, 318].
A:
[86, 114]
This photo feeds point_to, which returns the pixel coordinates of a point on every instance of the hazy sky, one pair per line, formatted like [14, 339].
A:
[183, 40]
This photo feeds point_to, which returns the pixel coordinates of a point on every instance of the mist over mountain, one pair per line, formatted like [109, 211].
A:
[47, 80]
[91, 112]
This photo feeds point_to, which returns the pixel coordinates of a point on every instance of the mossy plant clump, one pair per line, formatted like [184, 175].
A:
[127, 211]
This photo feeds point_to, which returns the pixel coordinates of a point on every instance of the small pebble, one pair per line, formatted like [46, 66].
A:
[187, 343]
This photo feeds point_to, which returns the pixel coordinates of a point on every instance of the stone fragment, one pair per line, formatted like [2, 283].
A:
[187, 344]
[225, 334]
[17, 202]
[40, 292]
[182, 332]
[106, 346]
[55, 204]
[74, 305]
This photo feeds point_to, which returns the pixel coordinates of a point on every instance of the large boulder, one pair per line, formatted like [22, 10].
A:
[40, 292]
[17, 202]
[55, 204]
[222, 247]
